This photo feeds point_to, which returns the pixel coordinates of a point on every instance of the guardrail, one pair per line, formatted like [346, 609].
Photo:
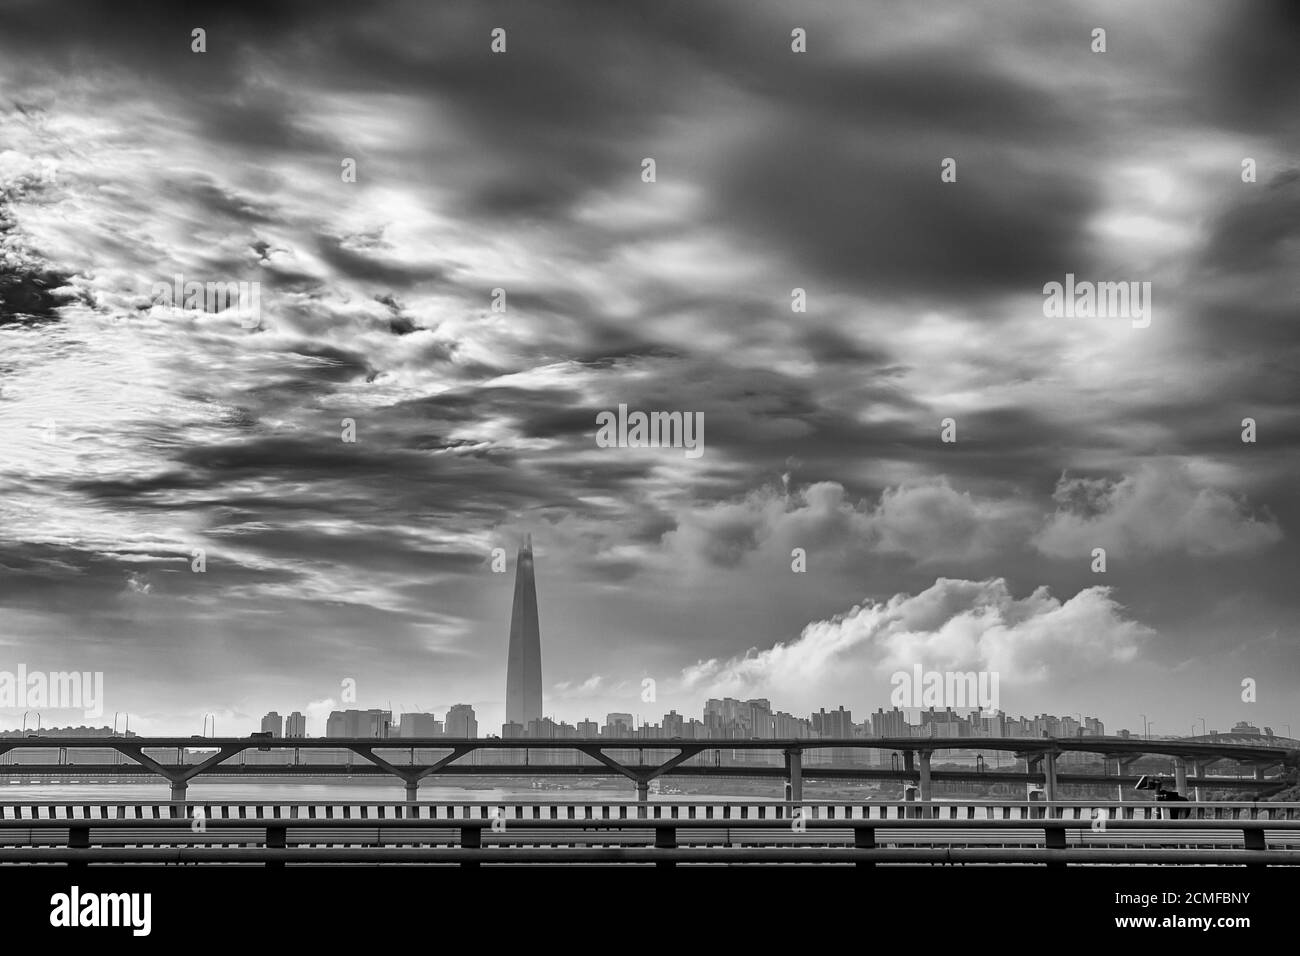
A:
[734, 808]
[468, 842]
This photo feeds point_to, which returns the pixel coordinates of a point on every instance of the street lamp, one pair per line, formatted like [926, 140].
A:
[1146, 728]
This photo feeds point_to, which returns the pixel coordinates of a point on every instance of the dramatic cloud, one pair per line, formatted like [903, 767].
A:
[1158, 509]
[951, 626]
[499, 273]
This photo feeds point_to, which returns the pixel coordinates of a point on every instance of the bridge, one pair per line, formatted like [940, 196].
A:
[272, 835]
[413, 760]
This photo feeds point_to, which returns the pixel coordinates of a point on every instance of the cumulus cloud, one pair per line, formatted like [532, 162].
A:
[925, 521]
[952, 625]
[1157, 509]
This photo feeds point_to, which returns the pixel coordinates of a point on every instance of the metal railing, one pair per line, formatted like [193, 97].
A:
[415, 838]
[731, 808]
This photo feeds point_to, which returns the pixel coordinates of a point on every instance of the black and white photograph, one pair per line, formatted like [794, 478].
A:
[640, 453]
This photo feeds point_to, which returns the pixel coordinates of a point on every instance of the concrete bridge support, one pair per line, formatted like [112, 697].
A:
[412, 791]
[927, 786]
[178, 788]
[794, 774]
[1049, 776]
[1180, 775]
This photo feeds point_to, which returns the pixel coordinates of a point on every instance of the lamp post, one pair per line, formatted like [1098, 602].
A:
[1146, 728]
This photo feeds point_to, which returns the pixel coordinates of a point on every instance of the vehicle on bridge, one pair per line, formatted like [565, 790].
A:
[1164, 794]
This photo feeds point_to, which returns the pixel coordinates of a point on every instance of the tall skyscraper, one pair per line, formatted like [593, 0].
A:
[524, 665]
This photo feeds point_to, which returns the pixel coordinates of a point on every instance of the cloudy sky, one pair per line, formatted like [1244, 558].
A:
[133, 433]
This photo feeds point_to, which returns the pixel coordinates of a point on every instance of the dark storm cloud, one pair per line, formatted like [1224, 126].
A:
[867, 214]
[1247, 67]
[1258, 232]
[356, 264]
[30, 288]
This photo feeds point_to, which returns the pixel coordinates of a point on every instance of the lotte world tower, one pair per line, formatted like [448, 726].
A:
[524, 668]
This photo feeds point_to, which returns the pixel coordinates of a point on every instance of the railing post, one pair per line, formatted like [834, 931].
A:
[864, 838]
[1054, 838]
[471, 838]
[665, 839]
[1255, 840]
[276, 839]
[78, 839]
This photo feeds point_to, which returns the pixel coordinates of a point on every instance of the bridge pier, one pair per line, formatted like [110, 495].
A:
[178, 790]
[1049, 776]
[1180, 775]
[927, 787]
[412, 791]
[642, 798]
[794, 774]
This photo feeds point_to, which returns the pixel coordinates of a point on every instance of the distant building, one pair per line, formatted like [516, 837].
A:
[461, 721]
[511, 729]
[543, 728]
[359, 723]
[837, 724]
[273, 724]
[618, 725]
[524, 661]
[295, 725]
[419, 725]
[588, 729]
[891, 723]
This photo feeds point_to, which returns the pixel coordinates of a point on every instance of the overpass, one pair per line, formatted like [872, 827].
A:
[446, 756]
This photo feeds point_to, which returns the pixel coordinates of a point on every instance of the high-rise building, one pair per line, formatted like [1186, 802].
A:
[524, 664]
[461, 721]
[419, 725]
[618, 725]
[273, 724]
[359, 723]
[295, 725]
